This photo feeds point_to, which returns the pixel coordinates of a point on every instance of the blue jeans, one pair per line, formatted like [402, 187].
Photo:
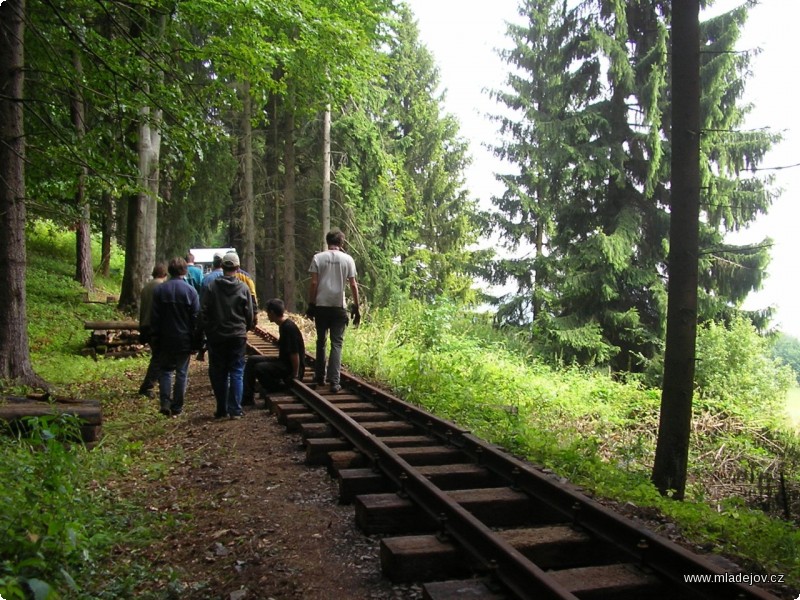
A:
[171, 397]
[329, 320]
[225, 370]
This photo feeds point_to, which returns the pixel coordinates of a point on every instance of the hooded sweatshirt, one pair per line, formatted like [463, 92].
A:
[227, 310]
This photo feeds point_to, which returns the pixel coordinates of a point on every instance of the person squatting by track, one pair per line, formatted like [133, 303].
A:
[275, 373]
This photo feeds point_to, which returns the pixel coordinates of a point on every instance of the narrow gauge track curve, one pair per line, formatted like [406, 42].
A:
[466, 519]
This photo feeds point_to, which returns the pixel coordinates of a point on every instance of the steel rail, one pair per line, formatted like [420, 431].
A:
[645, 547]
[526, 580]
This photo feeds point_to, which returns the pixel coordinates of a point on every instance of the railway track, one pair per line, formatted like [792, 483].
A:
[467, 520]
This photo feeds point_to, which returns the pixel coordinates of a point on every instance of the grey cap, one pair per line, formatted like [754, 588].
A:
[230, 260]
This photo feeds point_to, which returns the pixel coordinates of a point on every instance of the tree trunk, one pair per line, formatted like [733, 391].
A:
[140, 242]
[672, 449]
[15, 362]
[140, 246]
[135, 258]
[84, 273]
[248, 257]
[107, 234]
[272, 167]
[326, 174]
[289, 280]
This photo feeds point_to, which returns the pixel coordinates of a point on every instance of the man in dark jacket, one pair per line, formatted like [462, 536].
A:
[173, 317]
[227, 314]
[145, 308]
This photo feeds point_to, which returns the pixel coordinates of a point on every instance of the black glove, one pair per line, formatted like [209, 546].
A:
[355, 314]
[311, 311]
[198, 339]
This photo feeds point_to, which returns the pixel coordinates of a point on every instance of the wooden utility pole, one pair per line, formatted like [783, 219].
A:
[326, 174]
[672, 449]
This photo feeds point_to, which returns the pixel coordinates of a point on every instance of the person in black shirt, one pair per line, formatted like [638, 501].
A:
[275, 373]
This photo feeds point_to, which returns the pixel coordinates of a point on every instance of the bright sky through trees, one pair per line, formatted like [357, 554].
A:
[463, 36]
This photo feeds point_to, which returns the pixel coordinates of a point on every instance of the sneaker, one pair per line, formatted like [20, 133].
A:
[235, 417]
[336, 388]
[147, 393]
[220, 415]
[166, 412]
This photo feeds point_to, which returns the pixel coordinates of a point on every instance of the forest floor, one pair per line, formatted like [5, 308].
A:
[257, 523]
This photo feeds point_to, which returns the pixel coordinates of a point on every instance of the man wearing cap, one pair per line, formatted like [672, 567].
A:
[227, 314]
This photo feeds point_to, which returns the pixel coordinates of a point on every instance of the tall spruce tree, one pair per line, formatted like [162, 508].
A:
[15, 361]
[590, 135]
[672, 450]
[537, 137]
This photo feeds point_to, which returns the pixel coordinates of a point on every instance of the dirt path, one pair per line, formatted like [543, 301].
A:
[259, 523]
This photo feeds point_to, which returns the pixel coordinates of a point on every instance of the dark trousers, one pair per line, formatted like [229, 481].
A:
[151, 376]
[171, 396]
[269, 371]
[329, 320]
[225, 367]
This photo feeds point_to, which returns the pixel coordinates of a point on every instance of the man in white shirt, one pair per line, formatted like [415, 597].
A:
[330, 270]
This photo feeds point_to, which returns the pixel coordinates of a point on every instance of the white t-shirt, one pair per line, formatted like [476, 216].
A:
[333, 268]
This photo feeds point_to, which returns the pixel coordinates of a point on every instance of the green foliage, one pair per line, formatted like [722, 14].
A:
[586, 123]
[596, 431]
[398, 178]
[60, 519]
[439, 218]
[736, 374]
[62, 516]
[199, 202]
[46, 544]
[398, 161]
[56, 306]
[787, 348]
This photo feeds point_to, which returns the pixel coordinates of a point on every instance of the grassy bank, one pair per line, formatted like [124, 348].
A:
[793, 406]
[597, 432]
[66, 545]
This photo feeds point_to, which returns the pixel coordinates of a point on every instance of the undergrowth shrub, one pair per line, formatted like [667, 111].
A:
[61, 513]
[53, 527]
[736, 375]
